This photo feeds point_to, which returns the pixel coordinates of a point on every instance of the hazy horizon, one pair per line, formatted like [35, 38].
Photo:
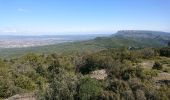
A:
[66, 33]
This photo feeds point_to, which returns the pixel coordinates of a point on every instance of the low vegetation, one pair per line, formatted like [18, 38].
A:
[69, 77]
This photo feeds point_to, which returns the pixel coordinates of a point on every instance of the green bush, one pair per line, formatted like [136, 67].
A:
[150, 73]
[62, 85]
[25, 82]
[89, 89]
[6, 88]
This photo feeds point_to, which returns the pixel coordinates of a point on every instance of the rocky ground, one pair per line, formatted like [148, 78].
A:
[26, 96]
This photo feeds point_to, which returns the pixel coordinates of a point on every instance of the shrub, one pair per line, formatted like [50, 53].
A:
[148, 53]
[89, 89]
[166, 70]
[135, 84]
[140, 95]
[24, 82]
[118, 86]
[6, 88]
[169, 44]
[109, 95]
[165, 52]
[157, 66]
[128, 95]
[62, 85]
[140, 72]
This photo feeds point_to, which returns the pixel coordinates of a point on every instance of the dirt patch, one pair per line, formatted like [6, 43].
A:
[162, 76]
[99, 74]
[27, 96]
[147, 64]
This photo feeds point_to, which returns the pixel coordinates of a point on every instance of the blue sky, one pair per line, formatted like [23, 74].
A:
[31, 16]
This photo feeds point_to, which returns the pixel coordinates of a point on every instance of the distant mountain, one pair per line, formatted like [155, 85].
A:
[137, 38]
[136, 34]
[145, 37]
[142, 34]
[126, 38]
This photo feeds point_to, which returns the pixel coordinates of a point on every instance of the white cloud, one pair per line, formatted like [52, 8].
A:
[22, 10]
[8, 29]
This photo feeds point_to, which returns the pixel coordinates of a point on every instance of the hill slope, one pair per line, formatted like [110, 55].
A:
[120, 39]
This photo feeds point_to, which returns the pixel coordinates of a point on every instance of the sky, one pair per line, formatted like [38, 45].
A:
[64, 16]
